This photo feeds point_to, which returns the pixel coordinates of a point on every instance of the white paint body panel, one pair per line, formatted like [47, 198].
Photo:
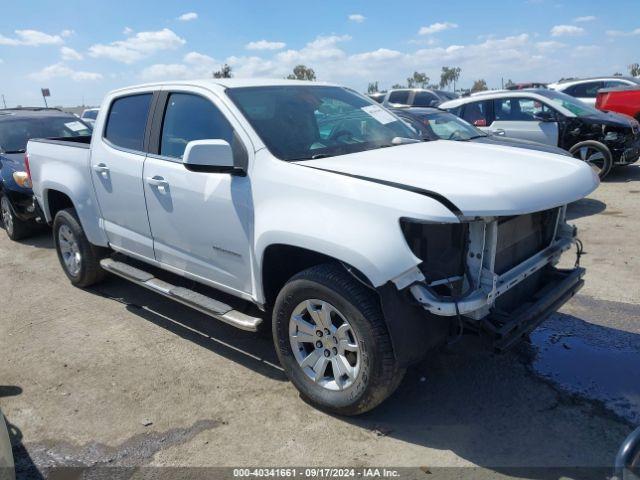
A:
[353, 220]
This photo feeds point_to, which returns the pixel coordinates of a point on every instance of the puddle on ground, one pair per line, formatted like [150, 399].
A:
[595, 362]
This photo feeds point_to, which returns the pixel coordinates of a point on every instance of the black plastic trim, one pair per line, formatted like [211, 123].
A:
[420, 191]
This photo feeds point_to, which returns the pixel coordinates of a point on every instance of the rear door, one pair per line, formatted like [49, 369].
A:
[515, 117]
[201, 222]
[116, 162]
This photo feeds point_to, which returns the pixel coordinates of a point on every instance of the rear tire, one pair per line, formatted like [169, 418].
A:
[595, 154]
[350, 370]
[79, 259]
[16, 229]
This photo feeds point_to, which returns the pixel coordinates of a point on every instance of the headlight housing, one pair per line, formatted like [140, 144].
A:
[442, 247]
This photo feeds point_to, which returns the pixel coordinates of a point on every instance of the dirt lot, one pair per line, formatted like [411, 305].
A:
[118, 376]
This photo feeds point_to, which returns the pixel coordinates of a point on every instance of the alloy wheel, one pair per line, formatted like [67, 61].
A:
[69, 250]
[324, 344]
[593, 157]
[7, 216]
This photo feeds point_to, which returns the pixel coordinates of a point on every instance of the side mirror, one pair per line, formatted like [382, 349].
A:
[544, 117]
[215, 156]
[480, 123]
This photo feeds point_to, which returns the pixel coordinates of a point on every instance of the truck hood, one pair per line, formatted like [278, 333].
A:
[479, 179]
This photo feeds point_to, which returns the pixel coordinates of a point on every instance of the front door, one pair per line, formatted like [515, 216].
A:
[201, 222]
[116, 163]
[516, 117]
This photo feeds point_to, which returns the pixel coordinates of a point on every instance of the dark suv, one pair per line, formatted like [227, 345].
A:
[17, 126]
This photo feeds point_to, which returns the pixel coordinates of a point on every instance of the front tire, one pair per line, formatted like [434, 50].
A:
[16, 229]
[79, 259]
[332, 341]
[595, 154]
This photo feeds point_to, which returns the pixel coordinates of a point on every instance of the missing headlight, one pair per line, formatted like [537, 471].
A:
[442, 248]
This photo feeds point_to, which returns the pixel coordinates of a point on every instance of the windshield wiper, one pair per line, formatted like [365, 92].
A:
[312, 157]
[14, 151]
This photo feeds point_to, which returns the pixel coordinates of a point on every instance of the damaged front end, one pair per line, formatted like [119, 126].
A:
[494, 274]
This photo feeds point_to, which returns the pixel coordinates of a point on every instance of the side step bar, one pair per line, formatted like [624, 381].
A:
[202, 303]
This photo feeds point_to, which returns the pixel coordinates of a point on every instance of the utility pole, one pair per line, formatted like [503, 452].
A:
[3, 101]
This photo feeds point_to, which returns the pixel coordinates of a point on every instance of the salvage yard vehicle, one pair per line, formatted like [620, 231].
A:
[313, 206]
[586, 89]
[17, 126]
[412, 97]
[601, 139]
[434, 124]
[624, 100]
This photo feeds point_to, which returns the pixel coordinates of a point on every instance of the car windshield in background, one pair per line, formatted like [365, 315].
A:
[91, 114]
[575, 106]
[301, 123]
[16, 132]
[449, 127]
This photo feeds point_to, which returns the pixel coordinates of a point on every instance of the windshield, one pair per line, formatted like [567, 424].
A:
[305, 122]
[15, 132]
[567, 102]
[449, 127]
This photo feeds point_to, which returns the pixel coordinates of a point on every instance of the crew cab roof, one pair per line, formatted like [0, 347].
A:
[227, 83]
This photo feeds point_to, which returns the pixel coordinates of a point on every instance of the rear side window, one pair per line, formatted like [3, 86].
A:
[399, 96]
[127, 121]
[191, 117]
[585, 90]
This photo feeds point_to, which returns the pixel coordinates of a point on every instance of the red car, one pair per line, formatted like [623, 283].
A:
[624, 100]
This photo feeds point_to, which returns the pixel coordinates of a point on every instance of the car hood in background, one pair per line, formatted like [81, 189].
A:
[480, 179]
[519, 143]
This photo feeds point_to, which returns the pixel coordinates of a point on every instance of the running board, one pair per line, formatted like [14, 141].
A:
[190, 298]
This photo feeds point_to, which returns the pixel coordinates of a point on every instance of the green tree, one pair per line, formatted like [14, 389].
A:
[373, 87]
[450, 75]
[302, 72]
[634, 70]
[479, 86]
[510, 83]
[224, 72]
[397, 85]
[418, 79]
[617, 74]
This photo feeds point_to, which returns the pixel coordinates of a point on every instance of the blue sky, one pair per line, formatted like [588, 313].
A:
[80, 50]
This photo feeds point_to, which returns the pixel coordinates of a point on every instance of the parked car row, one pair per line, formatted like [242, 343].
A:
[316, 210]
[412, 97]
[602, 139]
[17, 126]
[586, 89]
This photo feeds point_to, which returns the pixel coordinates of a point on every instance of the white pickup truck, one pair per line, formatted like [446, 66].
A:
[316, 210]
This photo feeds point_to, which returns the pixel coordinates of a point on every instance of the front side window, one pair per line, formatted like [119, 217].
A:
[518, 109]
[477, 113]
[90, 114]
[304, 122]
[576, 107]
[585, 90]
[425, 99]
[191, 117]
[16, 132]
[127, 121]
[401, 97]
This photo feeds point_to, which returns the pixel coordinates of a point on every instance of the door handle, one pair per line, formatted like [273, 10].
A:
[499, 131]
[101, 169]
[159, 182]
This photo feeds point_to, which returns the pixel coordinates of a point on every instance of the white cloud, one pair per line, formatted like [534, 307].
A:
[32, 38]
[187, 17]
[620, 33]
[67, 33]
[195, 65]
[586, 18]
[70, 54]
[138, 46]
[60, 70]
[436, 27]
[550, 45]
[127, 31]
[566, 30]
[357, 17]
[265, 45]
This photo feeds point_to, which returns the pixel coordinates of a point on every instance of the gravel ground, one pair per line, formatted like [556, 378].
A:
[117, 376]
